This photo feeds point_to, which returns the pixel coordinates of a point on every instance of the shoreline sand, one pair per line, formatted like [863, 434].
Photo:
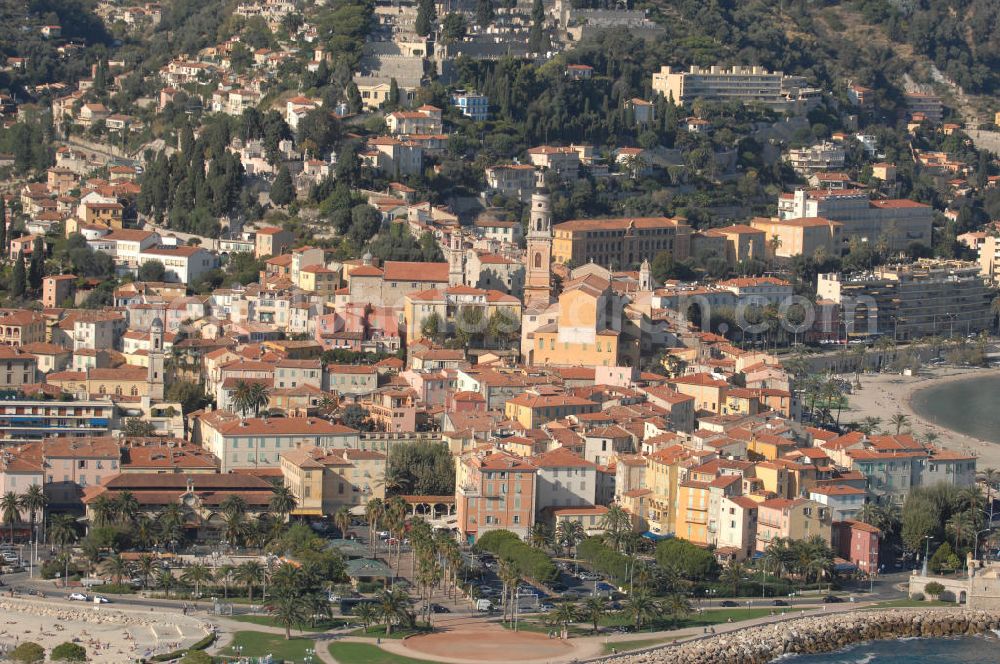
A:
[884, 395]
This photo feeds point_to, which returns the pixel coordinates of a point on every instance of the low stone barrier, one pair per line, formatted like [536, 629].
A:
[815, 634]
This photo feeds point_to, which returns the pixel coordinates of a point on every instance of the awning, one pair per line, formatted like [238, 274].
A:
[307, 511]
[844, 567]
[656, 537]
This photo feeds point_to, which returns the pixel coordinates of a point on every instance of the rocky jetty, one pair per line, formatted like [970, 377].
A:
[814, 634]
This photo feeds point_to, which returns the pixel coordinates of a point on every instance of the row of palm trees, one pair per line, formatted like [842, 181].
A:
[12, 506]
[238, 528]
[811, 559]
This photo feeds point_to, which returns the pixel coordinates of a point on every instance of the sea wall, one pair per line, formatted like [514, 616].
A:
[814, 634]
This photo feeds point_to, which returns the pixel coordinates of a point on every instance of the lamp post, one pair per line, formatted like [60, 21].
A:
[927, 548]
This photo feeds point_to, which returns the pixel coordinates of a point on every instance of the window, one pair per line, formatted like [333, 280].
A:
[517, 519]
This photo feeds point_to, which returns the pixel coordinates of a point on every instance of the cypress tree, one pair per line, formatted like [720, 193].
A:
[3, 227]
[17, 281]
[283, 190]
[36, 270]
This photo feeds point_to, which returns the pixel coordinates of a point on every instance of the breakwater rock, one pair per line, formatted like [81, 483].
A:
[761, 644]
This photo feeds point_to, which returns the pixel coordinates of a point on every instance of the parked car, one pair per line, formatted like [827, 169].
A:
[779, 602]
[728, 602]
[101, 599]
[832, 599]
[437, 608]
[77, 597]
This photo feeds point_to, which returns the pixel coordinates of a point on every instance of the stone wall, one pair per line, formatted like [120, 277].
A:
[814, 634]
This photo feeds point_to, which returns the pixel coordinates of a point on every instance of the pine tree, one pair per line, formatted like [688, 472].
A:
[484, 12]
[18, 278]
[426, 18]
[393, 99]
[36, 270]
[537, 33]
[3, 228]
[283, 190]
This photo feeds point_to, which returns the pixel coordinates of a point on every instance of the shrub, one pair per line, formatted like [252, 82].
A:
[68, 652]
[934, 589]
[196, 657]
[917, 597]
[530, 561]
[28, 653]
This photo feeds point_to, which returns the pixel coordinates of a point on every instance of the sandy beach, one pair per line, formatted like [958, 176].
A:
[109, 635]
[884, 395]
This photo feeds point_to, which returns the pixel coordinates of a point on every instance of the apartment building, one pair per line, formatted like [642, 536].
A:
[515, 180]
[989, 258]
[424, 120]
[472, 105]
[897, 222]
[737, 533]
[69, 466]
[564, 479]
[19, 327]
[796, 519]
[454, 307]
[929, 297]
[272, 241]
[258, 442]
[183, 264]
[29, 420]
[494, 490]
[532, 409]
[747, 85]
[844, 501]
[56, 289]
[620, 243]
[823, 156]
[564, 161]
[17, 368]
[324, 480]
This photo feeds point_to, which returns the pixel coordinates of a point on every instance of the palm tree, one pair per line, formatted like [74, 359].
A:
[617, 522]
[342, 519]
[367, 613]
[509, 577]
[145, 565]
[677, 605]
[116, 567]
[569, 533]
[224, 573]
[249, 574]
[144, 531]
[171, 522]
[869, 425]
[733, 576]
[283, 501]
[62, 531]
[541, 536]
[288, 610]
[234, 504]
[236, 529]
[392, 605]
[899, 420]
[961, 526]
[640, 607]
[593, 610]
[250, 396]
[374, 511]
[103, 510]
[10, 507]
[165, 580]
[33, 500]
[126, 507]
[197, 574]
[563, 615]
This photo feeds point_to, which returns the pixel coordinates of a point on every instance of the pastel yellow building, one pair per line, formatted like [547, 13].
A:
[800, 237]
[621, 243]
[533, 410]
[458, 306]
[583, 333]
[692, 518]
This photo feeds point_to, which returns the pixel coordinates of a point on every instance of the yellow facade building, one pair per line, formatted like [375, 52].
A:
[620, 243]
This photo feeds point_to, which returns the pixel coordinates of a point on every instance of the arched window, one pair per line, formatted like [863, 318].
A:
[538, 225]
[538, 260]
[102, 390]
[134, 391]
[118, 390]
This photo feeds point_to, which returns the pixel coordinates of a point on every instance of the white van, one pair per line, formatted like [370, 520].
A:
[484, 605]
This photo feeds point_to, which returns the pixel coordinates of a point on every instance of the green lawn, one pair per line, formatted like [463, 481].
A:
[268, 621]
[363, 653]
[259, 644]
[397, 631]
[620, 619]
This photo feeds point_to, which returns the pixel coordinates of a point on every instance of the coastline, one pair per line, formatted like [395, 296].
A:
[884, 395]
[818, 634]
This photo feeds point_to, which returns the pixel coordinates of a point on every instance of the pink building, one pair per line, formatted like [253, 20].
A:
[494, 491]
[395, 409]
[431, 386]
[857, 542]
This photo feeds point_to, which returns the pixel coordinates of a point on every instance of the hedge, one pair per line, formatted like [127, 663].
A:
[604, 559]
[200, 645]
[529, 561]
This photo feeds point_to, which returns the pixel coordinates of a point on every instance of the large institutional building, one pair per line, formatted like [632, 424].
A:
[621, 243]
[899, 222]
[747, 85]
